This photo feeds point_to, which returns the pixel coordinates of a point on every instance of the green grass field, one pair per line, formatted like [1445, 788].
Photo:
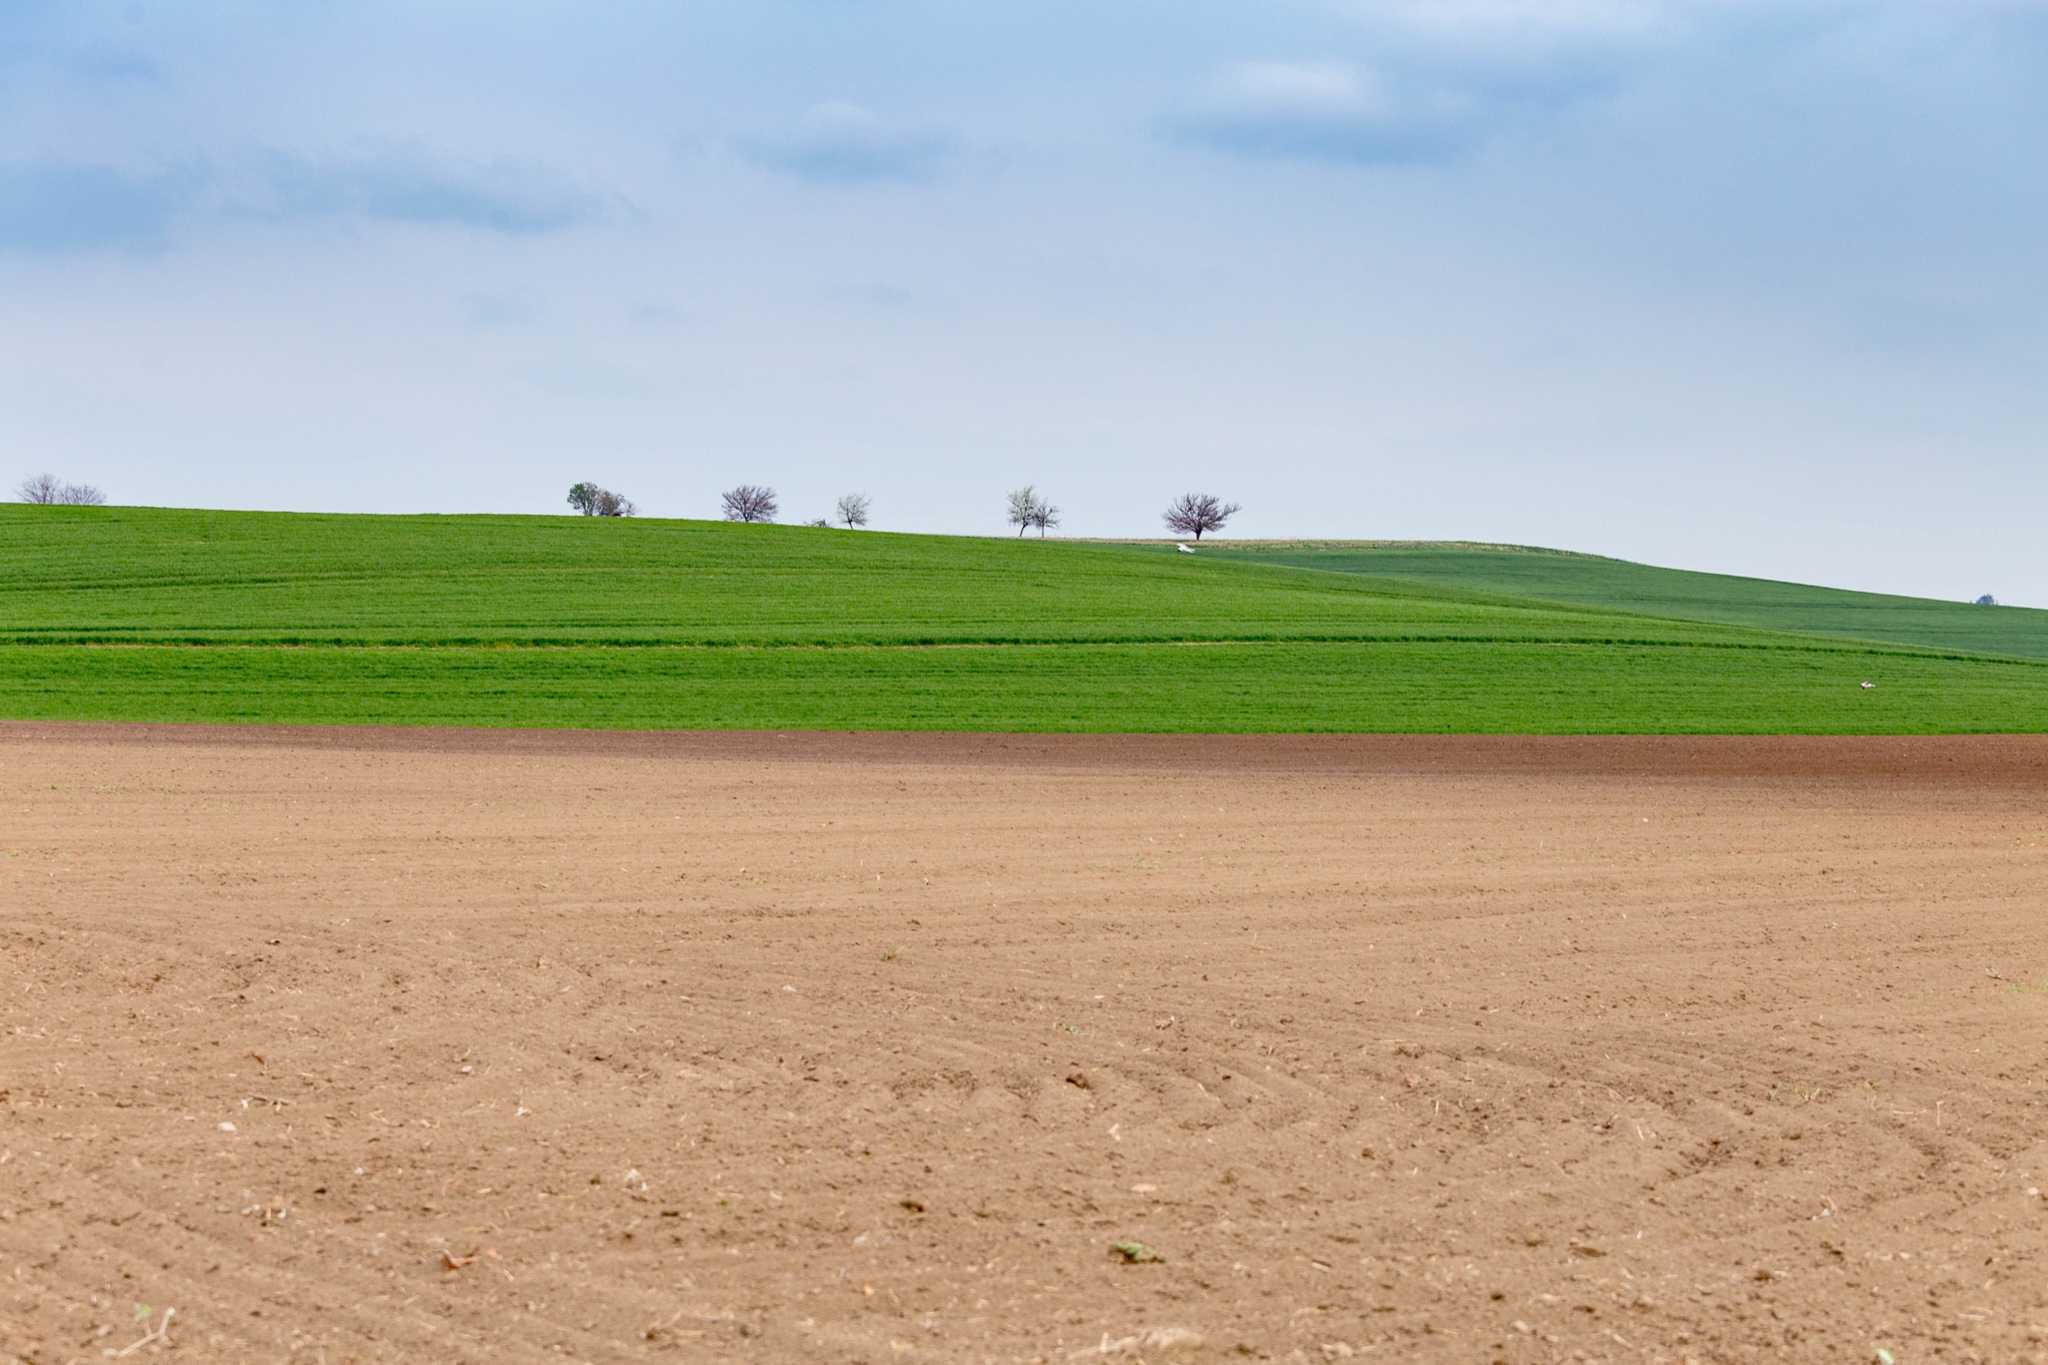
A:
[135, 576]
[158, 614]
[1590, 580]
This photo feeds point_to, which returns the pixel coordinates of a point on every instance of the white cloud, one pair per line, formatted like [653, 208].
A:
[847, 143]
[1523, 17]
[1333, 110]
[412, 182]
[1306, 85]
[1424, 83]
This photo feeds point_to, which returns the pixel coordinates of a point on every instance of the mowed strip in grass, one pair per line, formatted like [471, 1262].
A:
[167, 615]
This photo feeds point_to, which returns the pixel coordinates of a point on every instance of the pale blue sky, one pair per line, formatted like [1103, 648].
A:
[1740, 286]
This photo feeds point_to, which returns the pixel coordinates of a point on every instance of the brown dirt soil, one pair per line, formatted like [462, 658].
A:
[430, 1046]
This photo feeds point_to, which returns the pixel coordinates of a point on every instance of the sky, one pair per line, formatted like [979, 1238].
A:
[1751, 287]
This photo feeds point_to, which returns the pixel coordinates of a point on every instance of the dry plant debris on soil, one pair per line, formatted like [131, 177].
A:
[418, 1047]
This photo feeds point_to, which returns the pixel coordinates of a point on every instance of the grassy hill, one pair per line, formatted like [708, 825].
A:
[159, 614]
[149, 575]
[1590, 580]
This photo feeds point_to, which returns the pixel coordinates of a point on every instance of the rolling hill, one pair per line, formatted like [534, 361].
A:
[164, 614]
[1591, 580]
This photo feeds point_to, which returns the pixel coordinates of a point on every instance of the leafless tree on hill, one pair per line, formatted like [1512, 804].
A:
[749, 502]
[39, 488]
[1190, 514]
[49, 490]
[1023, 505]
[853, 510]
[1027, 510]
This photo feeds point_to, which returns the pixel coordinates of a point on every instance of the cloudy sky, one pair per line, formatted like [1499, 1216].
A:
[1756, 287]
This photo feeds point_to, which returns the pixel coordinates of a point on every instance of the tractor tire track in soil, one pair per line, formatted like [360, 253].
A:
[477, 1046]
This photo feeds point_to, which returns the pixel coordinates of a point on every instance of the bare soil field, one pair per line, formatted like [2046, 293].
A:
[462, 1046]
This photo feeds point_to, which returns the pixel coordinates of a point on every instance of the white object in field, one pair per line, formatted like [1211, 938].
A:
[1184, 549]
[1867, 686]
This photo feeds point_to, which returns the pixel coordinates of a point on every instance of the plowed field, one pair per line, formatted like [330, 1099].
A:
[475, 1046]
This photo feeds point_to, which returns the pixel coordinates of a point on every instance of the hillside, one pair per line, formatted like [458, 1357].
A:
[1618, 585]
[141, 575]
[157, 614]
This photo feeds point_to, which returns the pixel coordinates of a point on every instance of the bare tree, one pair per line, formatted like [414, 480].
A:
[39, 488]
[853, 510]
[750, 503]
[1023, 504]
[1190, 514]
[49, 490]
[1027, 510]
[593, 501]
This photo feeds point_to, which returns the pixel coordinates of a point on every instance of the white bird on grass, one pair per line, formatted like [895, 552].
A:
[1186, 550]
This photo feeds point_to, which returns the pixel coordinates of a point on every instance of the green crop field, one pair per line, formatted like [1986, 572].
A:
[138, 576]
[1590, 580]
[160, 614]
